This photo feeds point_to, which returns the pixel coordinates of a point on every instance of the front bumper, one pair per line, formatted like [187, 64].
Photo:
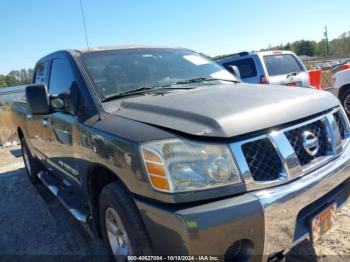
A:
[286, 206]
[273, 220]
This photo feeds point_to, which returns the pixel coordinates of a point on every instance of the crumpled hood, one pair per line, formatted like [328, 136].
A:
[223, 110]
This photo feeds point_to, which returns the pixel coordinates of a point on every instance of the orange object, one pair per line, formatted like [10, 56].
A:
[315, 78]
[155, 169]
[160, 183]
[346, 66]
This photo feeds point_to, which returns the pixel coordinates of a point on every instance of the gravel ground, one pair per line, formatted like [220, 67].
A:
[34, 226]
[8, 162]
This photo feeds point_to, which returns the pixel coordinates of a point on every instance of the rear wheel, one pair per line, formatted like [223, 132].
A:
[31, 164]
[345, 101]
[121, 224]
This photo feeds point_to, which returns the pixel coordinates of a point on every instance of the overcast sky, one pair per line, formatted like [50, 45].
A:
[32, 29]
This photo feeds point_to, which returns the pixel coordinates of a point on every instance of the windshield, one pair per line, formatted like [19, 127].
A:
[117, 71]
[282, 64]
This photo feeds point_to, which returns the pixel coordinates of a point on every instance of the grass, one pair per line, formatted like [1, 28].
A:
[7, 128]
[326, 79]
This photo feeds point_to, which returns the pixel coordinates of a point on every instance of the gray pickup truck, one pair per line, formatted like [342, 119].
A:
[163, 152]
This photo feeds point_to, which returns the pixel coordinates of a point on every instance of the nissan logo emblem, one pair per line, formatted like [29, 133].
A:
[310, 143]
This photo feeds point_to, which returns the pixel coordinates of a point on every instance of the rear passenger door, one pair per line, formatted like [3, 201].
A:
[34, 123]
[247, 68]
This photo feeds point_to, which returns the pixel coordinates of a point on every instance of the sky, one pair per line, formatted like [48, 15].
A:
[32, 29]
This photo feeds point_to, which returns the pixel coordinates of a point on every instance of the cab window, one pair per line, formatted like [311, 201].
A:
[61, 76]
[41, 73]
[246, 67]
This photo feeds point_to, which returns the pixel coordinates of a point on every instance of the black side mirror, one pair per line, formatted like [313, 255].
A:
[38, 99]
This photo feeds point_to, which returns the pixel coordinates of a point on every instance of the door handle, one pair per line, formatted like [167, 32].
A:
[45, 122]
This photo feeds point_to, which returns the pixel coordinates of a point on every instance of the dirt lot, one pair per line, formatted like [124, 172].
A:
[34, 226]
[7, 129]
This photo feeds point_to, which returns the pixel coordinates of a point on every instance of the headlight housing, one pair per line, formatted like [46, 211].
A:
[180, 165]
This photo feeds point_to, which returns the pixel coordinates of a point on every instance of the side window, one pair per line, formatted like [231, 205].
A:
[246, 67]
[41, 73]
[61, 76]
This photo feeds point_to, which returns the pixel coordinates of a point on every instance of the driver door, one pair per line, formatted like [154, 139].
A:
[61, 129]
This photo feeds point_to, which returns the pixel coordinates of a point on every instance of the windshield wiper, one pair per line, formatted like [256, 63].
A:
[140, 90]
[145, 89]
[204, 79]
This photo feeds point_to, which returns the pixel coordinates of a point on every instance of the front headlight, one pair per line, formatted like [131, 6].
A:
[180, 165]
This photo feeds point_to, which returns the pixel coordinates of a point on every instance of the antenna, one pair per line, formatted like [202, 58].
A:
[83, 16]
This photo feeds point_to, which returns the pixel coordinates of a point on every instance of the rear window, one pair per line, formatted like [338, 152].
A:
[246, 67]
[282, 64]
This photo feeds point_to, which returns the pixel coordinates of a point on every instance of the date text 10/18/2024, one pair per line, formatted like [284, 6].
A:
[173, 258]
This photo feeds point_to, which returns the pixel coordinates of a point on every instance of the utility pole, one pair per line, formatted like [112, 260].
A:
[327, 44]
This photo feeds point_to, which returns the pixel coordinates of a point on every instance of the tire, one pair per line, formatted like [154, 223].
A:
[345, 101]
[31, 164]
[114, 202]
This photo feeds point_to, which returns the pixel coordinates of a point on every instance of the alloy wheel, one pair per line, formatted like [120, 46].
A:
[347, 104]
[117, 236]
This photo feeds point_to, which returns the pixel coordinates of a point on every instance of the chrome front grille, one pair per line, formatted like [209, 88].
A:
[284, 154]
[340, 123]
[263, 160]
[295, 138]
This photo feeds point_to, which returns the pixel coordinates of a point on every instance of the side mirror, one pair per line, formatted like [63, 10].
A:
[235, 71]
[38, 99]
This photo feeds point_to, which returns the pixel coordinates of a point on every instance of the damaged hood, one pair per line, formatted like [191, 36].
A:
[223, 110]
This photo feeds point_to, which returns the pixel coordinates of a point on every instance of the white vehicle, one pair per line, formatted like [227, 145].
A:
[341, 88]
[268, 67]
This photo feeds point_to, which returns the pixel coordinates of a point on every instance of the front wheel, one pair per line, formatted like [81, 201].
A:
[345, 101]
[121, 224]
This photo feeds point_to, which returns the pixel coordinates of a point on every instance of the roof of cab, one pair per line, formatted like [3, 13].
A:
[121, 47]
[77, 52]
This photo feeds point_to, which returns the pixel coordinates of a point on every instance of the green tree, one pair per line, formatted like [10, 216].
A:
[288, 47]
[2, 81]
[11, 80]
[343, 44]
[321, 48]
[305, 47]
[16, 77]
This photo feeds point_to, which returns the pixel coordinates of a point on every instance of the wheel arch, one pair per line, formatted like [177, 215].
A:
[343, 89]
[98, 177]
[20, 133]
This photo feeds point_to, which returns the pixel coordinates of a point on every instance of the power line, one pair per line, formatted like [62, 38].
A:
[83, 16]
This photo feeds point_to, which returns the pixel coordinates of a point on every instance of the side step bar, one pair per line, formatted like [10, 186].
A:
[65, 198]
